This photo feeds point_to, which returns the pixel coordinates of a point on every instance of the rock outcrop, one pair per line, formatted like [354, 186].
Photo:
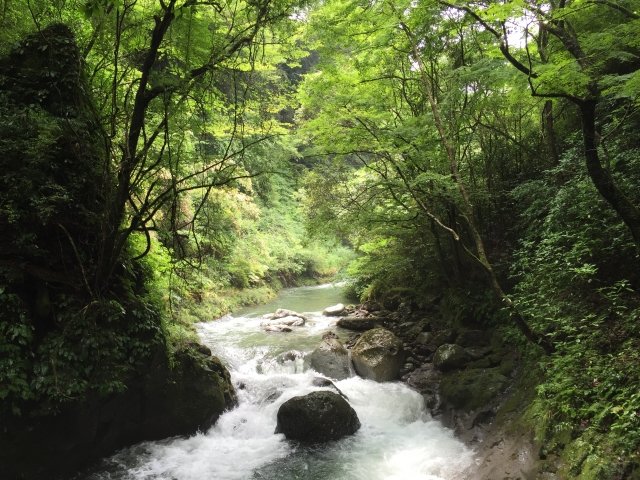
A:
[359, 324]
[317, 417]
[330, 358]
[450, 356]
[164, 402]
[378, 355]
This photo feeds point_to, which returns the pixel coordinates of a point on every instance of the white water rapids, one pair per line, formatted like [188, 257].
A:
[397, 439]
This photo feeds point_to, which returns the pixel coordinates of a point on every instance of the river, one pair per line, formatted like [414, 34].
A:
[397, 441]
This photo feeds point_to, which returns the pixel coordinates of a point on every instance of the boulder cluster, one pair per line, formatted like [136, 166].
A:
[461, 372]
[323, 415]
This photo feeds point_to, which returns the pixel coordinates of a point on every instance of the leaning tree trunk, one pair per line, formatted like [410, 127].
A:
[466, 207]
[601, 178]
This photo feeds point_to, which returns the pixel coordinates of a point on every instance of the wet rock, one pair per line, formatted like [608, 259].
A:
[424, 338]
[372, 306]
[330, 358]
[282, 313]
[426, 380]
[378, 355]
[334, 310]
[359, 324]
[290, 356]
[410, 330]
[430, 341]
[478, 352]
[450, 356]
[472, 338]
[351, 341]
[471, 389]
[194, 401]
[441, 337]
[165, 401]
[289, 321]
[406, 369]
[282, 320]
[325, 382]
[200, 348]
[317, 417]
[276, 328]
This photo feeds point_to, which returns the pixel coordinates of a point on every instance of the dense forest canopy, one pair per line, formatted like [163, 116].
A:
[166, 160]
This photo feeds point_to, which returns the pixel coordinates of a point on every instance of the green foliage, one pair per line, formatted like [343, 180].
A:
[125, 221]
[15, 339]
[99, 345]
[246, 247]
[574, 278]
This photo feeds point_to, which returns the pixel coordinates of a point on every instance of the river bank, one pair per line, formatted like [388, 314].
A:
[475, 383]
[397, 438]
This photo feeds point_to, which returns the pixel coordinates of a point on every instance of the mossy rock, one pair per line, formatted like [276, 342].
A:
[450, 356]
[317, 417]
[378, 355]
[190, 396]
[471, 389]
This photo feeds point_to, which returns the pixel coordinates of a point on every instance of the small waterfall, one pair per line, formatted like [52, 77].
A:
[397, 440]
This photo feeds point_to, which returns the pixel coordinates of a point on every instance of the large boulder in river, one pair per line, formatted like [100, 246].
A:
[282, 320]
[450, 356]
[189, 396]
[378, 355]
[317, 417]
[331, 358]
[282, 313]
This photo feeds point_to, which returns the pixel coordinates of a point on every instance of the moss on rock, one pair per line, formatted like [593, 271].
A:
[471, 389]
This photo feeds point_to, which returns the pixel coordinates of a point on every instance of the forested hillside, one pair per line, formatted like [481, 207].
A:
[488, 153]
[163, 162]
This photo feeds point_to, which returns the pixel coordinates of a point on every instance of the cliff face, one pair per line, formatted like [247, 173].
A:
[53, 160]
[82, 373]
[163, 402]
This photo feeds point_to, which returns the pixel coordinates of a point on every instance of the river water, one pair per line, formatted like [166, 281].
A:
[397, 440]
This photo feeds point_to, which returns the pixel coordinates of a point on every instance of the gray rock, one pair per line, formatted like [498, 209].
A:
[290, 356]
[317, 417]
[281, 321]
[334, 310]
[426, 380]
[441, 337]
[450, 356]
[359, 324]
[424, 338]
[378, 355]
[325, 382]
[331, 358]
[276, 328]
[474, 389]
[289, 321]
[282, 313]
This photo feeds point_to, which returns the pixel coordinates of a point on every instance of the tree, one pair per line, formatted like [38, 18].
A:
[402, 108]
[177, 84]
[590, 58]
[173, 72]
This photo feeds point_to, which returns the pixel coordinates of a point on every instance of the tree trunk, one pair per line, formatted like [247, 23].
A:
[466, 207]
[549, 132]
[601, 178]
